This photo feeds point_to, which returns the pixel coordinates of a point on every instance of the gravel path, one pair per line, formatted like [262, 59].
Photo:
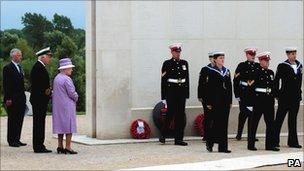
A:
[105, 157]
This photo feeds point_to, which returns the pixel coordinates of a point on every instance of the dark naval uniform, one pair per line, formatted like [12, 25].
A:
[289, 97]
[263, 104]
[242, 83]
[202, 92]
[175, 90]
[219, 97]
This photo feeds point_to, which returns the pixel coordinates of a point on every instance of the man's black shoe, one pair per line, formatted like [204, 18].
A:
[225, 151]
[43, 151]
[181, 143]
[238, 138]
[273, 149]
[252, 148]
[14, 145]
[295, 146]
[209, 148]
[21, 143]
[162, 140]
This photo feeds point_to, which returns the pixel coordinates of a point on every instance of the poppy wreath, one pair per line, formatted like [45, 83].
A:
[199, 124]
[140, 129]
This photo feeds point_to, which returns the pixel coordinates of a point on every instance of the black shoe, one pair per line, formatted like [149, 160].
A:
[181, 143]
[209, 148]
[238, 137]
[277, 145]
[21, 143]
[14, 145]
[204, 139]
[252, 148]
[43, 151]
[60, 150]
[225, 151]
[273, 149]
[295, 146]
[70, 151]
[256, 139]
[162, 139]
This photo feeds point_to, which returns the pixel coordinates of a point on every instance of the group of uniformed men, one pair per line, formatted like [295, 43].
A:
[255, 87]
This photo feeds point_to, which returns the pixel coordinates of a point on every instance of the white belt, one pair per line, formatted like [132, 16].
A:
[170, 80]
[263, 90]
[243, 83]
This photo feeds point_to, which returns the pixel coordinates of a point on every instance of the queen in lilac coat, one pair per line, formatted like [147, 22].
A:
[64, 105]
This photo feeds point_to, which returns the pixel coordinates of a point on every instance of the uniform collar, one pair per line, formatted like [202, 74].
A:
[41, 62]
[223, 72]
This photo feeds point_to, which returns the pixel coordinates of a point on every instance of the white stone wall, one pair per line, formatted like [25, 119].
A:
[132, 39]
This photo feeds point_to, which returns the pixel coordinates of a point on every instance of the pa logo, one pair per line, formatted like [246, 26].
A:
[293, 163]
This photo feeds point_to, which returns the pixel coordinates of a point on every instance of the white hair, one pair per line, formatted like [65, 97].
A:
[13, 51]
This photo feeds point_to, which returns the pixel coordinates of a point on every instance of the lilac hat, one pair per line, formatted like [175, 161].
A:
[65, 63]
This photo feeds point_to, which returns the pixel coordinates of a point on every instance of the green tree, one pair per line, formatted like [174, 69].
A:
[34, 27]
[27, 51]
[63, 24]
[8, 42]
[53, 39]
[67, 48]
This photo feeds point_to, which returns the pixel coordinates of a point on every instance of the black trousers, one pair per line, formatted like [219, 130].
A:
[243, 115]
[217, 126]
[263, 106]
[292, 108]
[176, 111]
[204, 121]
[39, 114]
[15, 122]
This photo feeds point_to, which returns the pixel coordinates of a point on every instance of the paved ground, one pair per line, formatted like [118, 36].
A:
[105, 157]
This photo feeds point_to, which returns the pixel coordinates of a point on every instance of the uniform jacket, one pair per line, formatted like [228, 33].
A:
[176, 70]
[40, 84]
[287, 82]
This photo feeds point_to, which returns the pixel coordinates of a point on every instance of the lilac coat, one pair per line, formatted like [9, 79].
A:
[64, 105]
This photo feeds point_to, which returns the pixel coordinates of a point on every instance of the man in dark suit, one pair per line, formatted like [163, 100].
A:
[14, 98]
[40, 96]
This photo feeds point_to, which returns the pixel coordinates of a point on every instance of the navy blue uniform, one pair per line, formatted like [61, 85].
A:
[289, 97]
[263, 105]
[219, 97]
[175, 90]
[242, 83]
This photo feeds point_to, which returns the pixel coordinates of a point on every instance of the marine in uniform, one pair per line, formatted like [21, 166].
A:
[263, 103]
[243, 91]
[174, 92]
[218, 102]
[288, 81]
[202, 89]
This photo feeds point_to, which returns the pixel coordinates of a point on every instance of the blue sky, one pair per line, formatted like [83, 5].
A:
[12, 11]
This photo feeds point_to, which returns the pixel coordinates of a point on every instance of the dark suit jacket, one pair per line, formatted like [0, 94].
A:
[40, 85]
[13, 85]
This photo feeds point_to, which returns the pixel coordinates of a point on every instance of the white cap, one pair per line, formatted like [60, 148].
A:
[218, 53]
[264, 55]
[252, 49]
[44, 51]
[175, 45]
[290, 49]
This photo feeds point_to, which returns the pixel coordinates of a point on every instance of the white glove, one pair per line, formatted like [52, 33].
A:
[238, 99]
[250, 108]
[164, 102]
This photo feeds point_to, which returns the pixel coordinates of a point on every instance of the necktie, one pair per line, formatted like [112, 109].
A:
[20, 69]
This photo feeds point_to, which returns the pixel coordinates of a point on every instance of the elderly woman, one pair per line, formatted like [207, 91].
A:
[64, 106]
